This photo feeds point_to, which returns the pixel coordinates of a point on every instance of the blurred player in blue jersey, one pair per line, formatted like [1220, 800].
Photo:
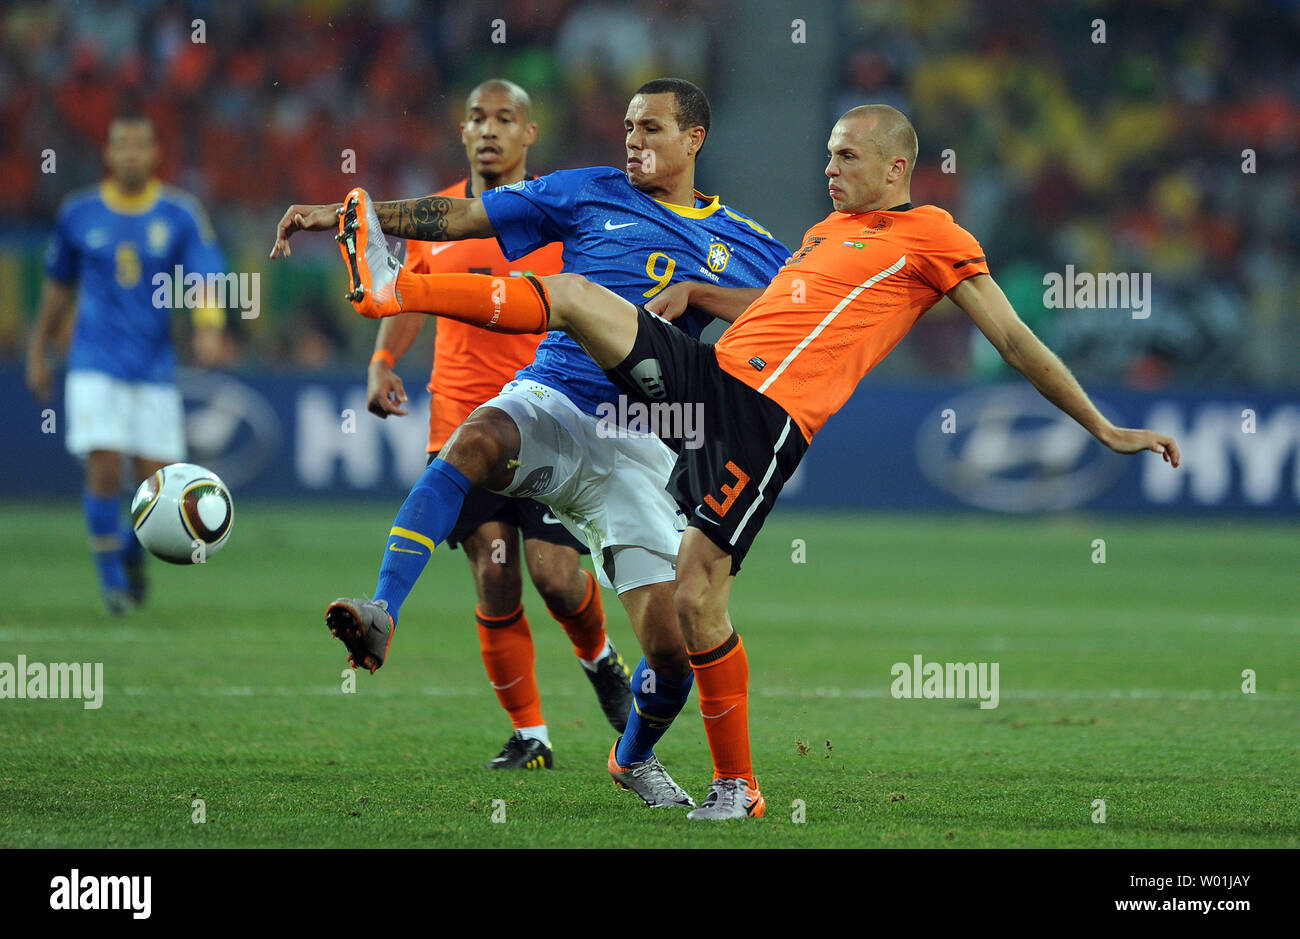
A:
[548, 436]
[120, 399]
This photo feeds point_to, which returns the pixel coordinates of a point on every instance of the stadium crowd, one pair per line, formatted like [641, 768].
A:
[1110, 137]
[1124, 155]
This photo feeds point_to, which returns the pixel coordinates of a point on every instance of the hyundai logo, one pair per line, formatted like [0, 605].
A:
[1011, 450]
[229, 427]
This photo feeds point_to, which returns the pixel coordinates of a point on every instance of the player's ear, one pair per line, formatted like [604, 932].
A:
[697, 136]
[463, 141]
[530, 135]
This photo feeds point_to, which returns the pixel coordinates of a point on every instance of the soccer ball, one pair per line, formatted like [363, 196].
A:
[183, 513]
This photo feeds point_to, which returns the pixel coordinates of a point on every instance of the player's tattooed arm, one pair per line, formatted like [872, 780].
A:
[431, 218]
[434, 218]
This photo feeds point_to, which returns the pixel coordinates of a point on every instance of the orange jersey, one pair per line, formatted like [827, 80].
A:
[470, 365]
[842, 303]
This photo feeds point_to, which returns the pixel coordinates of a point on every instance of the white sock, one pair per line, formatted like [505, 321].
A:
[534, 733]
[590, 664]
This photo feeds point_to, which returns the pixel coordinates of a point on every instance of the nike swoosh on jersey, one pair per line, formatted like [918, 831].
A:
[439, 248]
[393, 547]
[550, 519]
[610, 226]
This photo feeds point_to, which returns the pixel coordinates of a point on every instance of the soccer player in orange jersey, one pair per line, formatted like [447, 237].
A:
[469, 367]
[790, 360]
[562, 432]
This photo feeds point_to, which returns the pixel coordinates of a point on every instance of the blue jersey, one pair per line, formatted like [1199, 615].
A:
[630, 243]
[111, 247]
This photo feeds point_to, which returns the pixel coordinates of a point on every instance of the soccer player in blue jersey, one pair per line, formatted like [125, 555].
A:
[120, 398]
[549, 434]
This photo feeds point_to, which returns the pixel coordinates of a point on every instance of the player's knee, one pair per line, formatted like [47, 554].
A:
[482, 448]
[563, 289]
[474, 437]
[144, 468]
[499, 586]
[565, 292]
[689, 605]
[663, 646]
[559, 585]
[695, 602]
[104, 473]
[668, 658]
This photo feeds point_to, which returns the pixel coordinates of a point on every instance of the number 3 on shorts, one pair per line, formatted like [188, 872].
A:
[730, 490]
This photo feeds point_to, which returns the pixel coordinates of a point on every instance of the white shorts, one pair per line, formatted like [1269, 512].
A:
[608, 490]
[143, 419]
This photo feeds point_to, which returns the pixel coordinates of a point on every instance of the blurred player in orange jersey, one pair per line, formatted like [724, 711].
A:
[469, 367]
[794, 354]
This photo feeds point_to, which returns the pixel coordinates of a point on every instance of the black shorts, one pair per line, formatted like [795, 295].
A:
[728, 477]
[533, 519]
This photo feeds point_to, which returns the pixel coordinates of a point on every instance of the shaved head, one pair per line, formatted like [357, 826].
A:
[522, 103]
[870, 156]
[497, 132]
[888, 129]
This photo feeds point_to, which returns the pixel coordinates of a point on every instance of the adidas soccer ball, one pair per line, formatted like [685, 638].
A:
[183, 513]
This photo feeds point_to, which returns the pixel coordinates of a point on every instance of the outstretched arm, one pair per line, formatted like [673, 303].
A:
[429, 218]
[986, 304]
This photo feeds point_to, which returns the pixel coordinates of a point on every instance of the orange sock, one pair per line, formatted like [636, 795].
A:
[503, 304]
[722, 677]
[507, 646]
[585, 626]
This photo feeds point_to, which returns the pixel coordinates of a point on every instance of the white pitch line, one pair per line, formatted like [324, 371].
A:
[320, 691]
[1036, 694]
[38, 634]
[1114, 694]
[871, 613]
[866, 613]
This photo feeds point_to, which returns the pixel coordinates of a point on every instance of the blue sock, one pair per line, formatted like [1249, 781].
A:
[424, 520]
[653, 714]
[102, 518]
[131, 547]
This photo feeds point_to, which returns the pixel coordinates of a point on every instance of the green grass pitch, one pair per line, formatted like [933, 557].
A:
[1119, 681]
